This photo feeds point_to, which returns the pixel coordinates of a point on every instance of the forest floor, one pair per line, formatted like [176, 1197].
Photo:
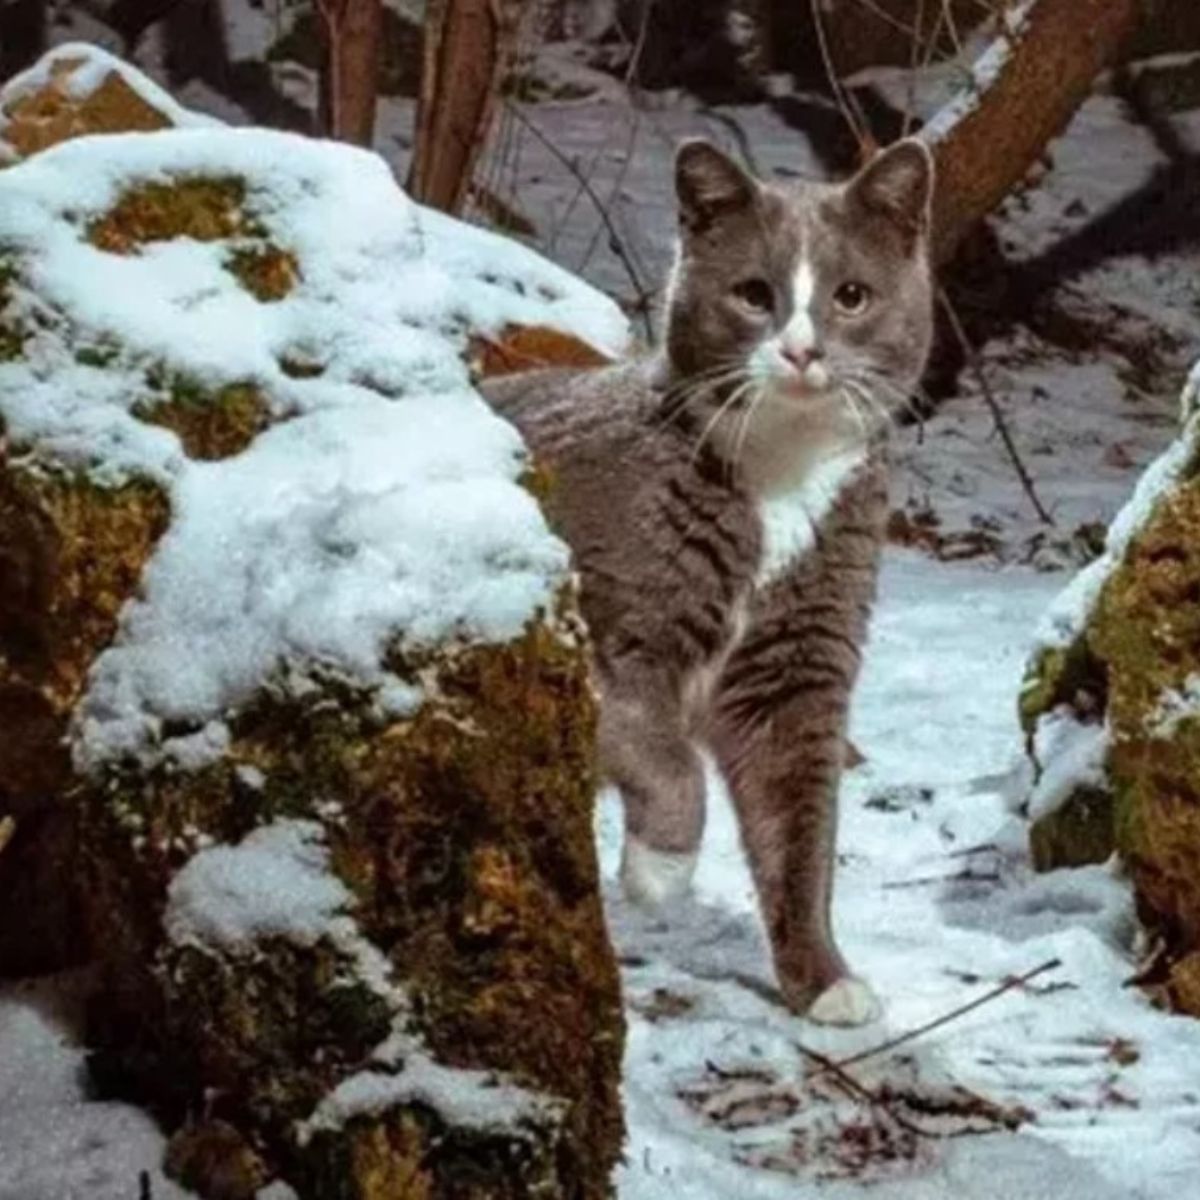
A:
[935, 903]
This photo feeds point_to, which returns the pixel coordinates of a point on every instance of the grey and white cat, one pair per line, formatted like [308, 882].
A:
[725, 502]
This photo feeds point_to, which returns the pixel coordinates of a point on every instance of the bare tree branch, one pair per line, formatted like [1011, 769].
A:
[1027, 85]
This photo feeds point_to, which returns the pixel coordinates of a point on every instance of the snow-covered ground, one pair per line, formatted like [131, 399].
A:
[936, 905]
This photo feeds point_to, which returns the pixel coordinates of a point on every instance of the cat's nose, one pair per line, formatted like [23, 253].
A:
[800, 356]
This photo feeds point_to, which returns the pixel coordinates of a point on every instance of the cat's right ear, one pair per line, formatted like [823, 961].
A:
[709, 185]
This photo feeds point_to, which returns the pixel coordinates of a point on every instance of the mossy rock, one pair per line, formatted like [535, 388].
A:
[1135, 664]
[1147, 628]
[465, 834]
[445, 778]
[34, 120]
[71, 554]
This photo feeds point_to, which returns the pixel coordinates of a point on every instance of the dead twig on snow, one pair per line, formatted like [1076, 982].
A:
[1010, 984]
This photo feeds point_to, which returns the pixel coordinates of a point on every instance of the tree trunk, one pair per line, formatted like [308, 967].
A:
[469, 45]
[1027, 86]
[350, 35]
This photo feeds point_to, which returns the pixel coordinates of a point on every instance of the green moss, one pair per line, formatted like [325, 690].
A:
[99, 356]
[1146, 629]
[13, 334]
[266, 272]
[1072, 675]
[204, 209]
[210, 424]
[1079, 831]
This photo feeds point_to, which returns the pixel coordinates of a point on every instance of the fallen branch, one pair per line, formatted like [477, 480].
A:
[989, 398]
[1010, 984]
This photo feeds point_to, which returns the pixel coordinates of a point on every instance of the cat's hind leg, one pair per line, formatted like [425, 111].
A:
[646, 753]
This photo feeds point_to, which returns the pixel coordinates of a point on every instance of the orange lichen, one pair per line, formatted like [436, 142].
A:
[522, 348]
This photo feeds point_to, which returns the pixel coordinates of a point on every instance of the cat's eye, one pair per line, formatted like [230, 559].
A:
[852, 298]
[756, 294]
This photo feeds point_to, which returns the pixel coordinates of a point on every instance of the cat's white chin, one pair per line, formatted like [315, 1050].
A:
[652, 879]
[850, 1001]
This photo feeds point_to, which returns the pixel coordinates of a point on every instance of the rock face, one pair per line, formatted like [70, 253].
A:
[299, 688]
[1112, 708]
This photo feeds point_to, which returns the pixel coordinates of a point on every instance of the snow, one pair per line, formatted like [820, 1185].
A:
[385, 506]
[277, 883]
[1065, 619]
[55, 1144]
[984, 72]
[274, 883]
[467, 1099]
[1072, 754]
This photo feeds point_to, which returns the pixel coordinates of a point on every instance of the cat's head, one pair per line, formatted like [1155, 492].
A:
[806, 301]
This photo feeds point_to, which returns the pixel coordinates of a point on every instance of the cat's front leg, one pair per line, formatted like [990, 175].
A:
[778, 732]
[783, 771]
[646, 753]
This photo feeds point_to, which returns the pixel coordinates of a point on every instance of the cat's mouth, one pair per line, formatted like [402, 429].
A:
[808, 385]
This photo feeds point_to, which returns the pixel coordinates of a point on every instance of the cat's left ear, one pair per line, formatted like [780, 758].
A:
[898, 183]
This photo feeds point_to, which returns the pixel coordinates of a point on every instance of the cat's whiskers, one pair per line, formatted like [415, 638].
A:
[759, 396]
[902, 400]
[846, 394]
[860, 396]
[734, 397]
[730, 369]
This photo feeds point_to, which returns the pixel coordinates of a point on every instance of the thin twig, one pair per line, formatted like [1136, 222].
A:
[902, 1039]
[615, 243]
[989, 398]
[844, 100]
[965, 876]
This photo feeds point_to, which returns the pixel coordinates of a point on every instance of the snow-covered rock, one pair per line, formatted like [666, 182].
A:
[1111, 705]
[286, 642]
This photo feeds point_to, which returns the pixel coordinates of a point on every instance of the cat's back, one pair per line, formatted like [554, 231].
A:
[568, 415]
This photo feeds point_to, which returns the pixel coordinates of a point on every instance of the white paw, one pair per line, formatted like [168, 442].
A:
[651, 878]
[848, 1002]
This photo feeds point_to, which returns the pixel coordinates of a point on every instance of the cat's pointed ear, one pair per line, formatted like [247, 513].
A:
[898, 184]
[709, 185]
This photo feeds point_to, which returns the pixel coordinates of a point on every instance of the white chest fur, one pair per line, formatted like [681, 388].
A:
[790, 519]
